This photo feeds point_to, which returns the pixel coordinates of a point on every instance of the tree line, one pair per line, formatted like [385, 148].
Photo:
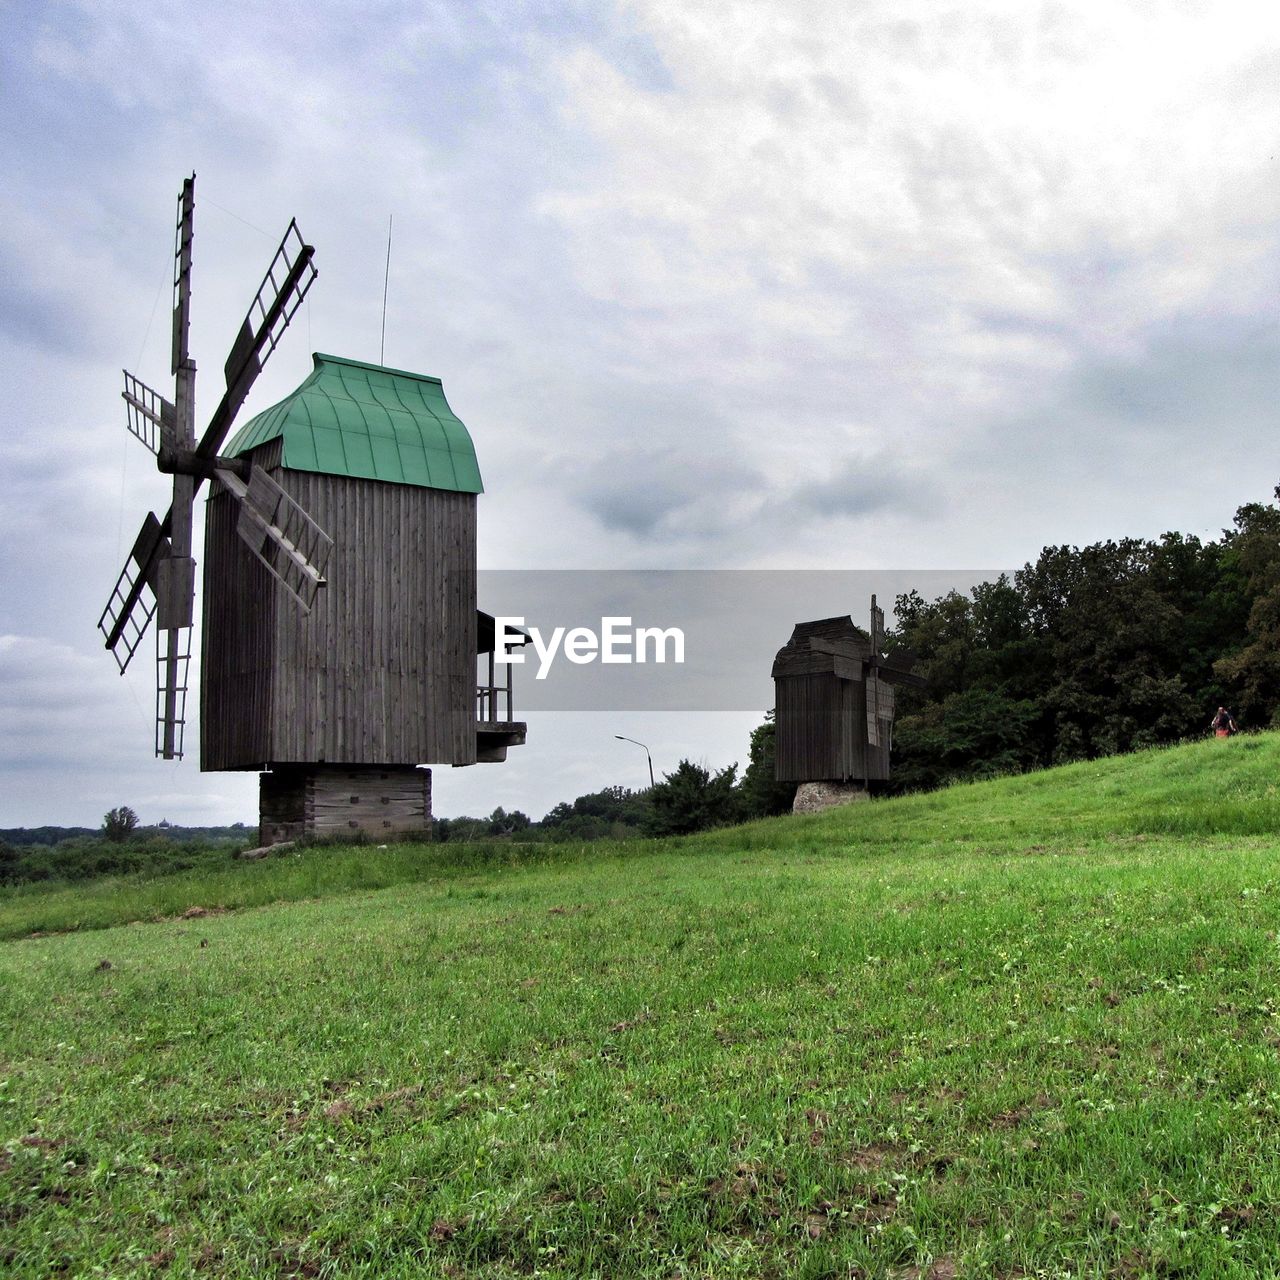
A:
[1092, 651]
[121, 846]
[690, 798]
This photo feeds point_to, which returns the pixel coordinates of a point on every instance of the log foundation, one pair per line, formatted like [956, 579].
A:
[337, 801]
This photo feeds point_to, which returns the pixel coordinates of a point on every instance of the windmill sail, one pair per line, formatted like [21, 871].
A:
[173, 662]
[279, 296]
[279, 532]
[158, 579]
[175, 575]
[879, 707]
[150, 417]
[182, 273]
[125, 619]
[877, 630]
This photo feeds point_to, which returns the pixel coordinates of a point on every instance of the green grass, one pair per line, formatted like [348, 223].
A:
[1020, 1028]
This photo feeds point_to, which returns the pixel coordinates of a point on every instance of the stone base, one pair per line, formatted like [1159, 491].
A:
[813, 797]
[336, 801]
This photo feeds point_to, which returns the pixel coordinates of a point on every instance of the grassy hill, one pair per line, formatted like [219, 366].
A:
[1021, 1028]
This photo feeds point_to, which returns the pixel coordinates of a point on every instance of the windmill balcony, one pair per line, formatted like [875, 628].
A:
[496, 725]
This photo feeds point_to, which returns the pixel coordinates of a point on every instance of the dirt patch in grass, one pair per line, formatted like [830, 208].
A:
[817, 1123]
[750, 1186]
[1134, 1263]
[875, 1206]
[938, 1269]
[628, 1024]
[936, 1166]
[1012, 1118]
[11, 1213]
[875, 1156]
[1015, 1117]
[291, 1262]
[40, 1143]
[444, 1229]
[344, 1107]
[208, 1257]
[1235, 1218]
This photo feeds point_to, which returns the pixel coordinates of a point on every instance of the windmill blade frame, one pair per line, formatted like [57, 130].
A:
[128, 613]
[289, 276]
[150, 418]
[173, 665]
[175, 573]
[158, 578]
[183, 237]
[289, 543]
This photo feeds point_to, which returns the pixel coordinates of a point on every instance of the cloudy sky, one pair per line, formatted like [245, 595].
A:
[893, 284]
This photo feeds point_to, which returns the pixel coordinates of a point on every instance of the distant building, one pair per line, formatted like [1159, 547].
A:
[834, 700]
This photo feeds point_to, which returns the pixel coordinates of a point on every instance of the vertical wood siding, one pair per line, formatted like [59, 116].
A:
[382, 669]
[236, 650]
[818, 717]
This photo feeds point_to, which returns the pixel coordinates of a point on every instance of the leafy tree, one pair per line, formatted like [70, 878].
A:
[502, 823]
[1251, 674]
[10, 859]
[118, 824]
[497, 826]
[1093, 650]
[976, 733]
[762, 794]
[1116, 647]
[693, 799]
[942, 633]
[613, 813]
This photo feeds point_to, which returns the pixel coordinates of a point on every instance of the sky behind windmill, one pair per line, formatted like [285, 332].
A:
[763, 285]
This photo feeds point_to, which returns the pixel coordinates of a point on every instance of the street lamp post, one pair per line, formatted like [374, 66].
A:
[648, 757]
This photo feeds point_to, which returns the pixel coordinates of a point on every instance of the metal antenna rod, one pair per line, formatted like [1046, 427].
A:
[386, 280]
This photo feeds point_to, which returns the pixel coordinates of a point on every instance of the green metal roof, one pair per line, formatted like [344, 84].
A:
[363, 420]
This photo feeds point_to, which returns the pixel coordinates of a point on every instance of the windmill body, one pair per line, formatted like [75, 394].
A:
[834, 703]
[341, 633]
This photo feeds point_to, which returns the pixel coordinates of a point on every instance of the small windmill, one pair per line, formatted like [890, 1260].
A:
[363, 481]
[272, 525]
[834, 688]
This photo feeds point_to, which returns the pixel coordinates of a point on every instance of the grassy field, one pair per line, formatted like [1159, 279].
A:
[1022, 1028]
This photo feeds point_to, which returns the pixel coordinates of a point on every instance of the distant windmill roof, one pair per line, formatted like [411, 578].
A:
[369, 422]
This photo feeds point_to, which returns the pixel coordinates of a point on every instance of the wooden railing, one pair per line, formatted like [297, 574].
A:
[491, 698]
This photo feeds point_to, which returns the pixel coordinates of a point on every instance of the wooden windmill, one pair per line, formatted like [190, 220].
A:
[361, 482]
[834, 689]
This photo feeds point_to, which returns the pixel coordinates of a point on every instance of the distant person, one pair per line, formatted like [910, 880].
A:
[1222, 724]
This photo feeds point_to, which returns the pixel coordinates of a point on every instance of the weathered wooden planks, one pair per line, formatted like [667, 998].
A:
[817, 715]
[382, 669]
[834, 700]
[335, 801]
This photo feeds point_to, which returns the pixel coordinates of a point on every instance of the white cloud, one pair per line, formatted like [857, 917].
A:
[822, 173]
